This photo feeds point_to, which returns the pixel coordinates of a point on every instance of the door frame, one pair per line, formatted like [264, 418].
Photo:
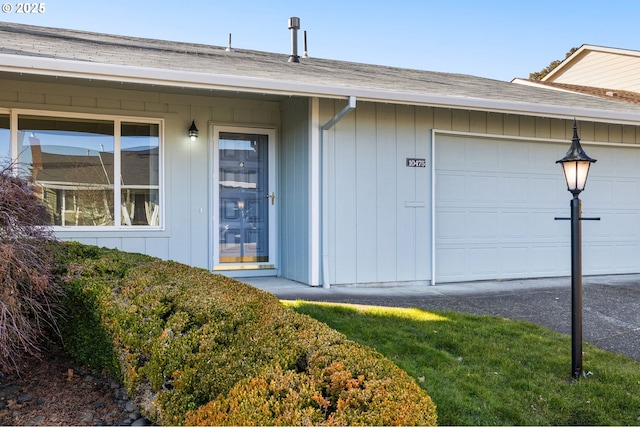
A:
[271, 267]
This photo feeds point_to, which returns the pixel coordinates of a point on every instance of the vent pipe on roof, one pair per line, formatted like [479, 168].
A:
[305, 54]
[294, 26]
[229, 48]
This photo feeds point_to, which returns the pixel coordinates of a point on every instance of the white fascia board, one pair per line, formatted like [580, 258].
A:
[614, 50]
[196, 80]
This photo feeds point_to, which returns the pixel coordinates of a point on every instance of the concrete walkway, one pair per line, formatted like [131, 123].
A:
[611, 304]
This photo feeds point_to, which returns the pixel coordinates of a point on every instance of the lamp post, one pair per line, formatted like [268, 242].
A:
[575, 165]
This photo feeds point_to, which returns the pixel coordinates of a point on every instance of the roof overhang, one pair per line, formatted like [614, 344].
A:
[85, 70]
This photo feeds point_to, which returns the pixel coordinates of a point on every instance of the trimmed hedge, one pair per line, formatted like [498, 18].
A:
[202, 349]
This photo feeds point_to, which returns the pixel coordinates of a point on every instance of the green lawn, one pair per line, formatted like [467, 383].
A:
[483, 370]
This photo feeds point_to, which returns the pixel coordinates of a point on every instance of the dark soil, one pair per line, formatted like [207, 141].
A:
[56, 391]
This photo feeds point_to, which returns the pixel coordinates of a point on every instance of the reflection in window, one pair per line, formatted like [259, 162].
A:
[71, 162]
[74, 166]
[5, 141]
[140, 144]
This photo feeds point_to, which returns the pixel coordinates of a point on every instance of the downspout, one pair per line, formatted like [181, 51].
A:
[325, 188]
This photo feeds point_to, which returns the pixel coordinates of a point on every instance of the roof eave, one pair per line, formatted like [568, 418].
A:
[196, 80]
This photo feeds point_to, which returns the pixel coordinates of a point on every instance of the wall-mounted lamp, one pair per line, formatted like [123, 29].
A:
[193, 131]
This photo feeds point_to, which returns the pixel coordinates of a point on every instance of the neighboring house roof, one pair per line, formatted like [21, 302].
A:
[608, 93]
[95, 169]
[77, 54]
[601, 67]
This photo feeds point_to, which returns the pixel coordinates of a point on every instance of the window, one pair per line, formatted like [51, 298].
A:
[93, 172]
[140, 186]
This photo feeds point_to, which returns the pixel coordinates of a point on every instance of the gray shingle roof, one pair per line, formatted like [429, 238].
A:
[336, 77]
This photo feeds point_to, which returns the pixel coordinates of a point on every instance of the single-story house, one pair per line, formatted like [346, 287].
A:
[320, 171]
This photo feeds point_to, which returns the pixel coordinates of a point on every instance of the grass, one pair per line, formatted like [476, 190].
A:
[484, 370]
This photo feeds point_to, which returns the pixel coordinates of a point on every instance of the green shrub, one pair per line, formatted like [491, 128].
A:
[195, 347]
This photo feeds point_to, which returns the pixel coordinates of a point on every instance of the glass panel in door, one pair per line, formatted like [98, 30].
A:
[243, 198]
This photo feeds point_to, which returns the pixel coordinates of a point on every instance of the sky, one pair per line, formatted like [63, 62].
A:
[498, 39]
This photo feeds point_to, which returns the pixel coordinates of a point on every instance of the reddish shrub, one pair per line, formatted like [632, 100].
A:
[28, 295]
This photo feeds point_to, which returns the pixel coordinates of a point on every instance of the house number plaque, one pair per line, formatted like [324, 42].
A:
[416, 163]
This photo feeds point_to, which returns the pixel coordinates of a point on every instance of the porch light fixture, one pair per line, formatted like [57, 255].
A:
[193, 131]
[575, 165]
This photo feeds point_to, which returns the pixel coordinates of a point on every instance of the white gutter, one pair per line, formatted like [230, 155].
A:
[200, 80]
[325, 188]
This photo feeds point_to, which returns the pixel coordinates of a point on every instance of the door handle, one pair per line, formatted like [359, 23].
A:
[272, 196]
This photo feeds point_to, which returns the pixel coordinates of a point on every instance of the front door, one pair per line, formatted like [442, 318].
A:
[244, 199]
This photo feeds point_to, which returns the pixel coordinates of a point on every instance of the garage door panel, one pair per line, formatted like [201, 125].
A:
[543, 228]
[625, 226]
[514, 259]
[514, 188]
[626, 258]
[498, 221]
[481, 261]
[598, 258]
[625, 192]
[482, 155]
[450, 187]
[452, 226]
[549, 260]
[613, 226]
[545, 190]
[542, 156]
[482, 225]
[482, 189]
[624, 161]
[452, 151]
[509, 152]
[451, 263]
[600, 192]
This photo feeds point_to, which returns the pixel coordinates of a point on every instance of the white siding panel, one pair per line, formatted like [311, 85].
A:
[345, 193]
[381, 225]
[406, 192]
[386, 164]
[366, 195]
[293, 194]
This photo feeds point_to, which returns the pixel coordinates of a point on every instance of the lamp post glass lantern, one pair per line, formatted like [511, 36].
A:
[575, 165]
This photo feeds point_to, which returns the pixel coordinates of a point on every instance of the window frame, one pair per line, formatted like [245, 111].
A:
[7, 112]
[117, 121]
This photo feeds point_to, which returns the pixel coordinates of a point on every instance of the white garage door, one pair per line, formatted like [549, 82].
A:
[495, 205]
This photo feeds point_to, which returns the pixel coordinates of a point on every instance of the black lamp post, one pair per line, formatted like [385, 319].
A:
[575, 165]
